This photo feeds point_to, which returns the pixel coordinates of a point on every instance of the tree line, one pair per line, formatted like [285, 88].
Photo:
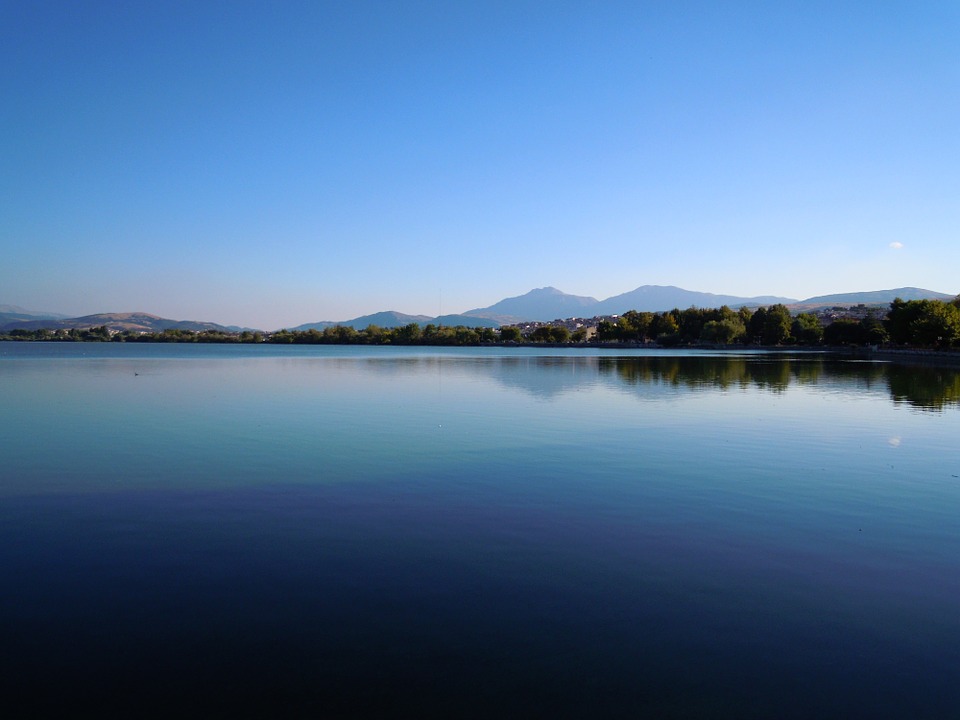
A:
[773, 325]
[911, 323]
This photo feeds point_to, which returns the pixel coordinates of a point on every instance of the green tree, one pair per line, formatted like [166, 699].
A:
[101, 333]
[691, 324]
[807, 329]
[938, 325]
[559, 334]
[510, 333]
[428, 335]
[346, 334]
[876, 333]
[844, 331]
[409, 334]
[664, 325]
[541, 334]
[635, 326]
[723, 332]
[758, 321]
[900, 319]
[776, 326]
[446, 335]
[607, 331]
[486, 335]
[724, 312]
[626, 331]
[465, 336]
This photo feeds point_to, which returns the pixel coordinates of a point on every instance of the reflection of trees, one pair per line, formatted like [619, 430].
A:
[677, 371]
[922, 387]
[547, 377]
[929, 388]
[693, 372]
[773, 375]
[769, 373]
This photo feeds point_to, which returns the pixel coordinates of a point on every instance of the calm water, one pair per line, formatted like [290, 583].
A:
[373, 531]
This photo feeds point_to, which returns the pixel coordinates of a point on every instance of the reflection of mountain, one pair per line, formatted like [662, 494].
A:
[545, 377]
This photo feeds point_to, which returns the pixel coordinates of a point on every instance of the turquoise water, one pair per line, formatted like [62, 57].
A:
[369, 531]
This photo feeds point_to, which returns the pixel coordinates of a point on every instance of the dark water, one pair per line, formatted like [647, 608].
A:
[373, 532]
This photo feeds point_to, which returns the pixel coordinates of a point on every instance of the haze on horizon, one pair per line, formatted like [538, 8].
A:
[269, 165]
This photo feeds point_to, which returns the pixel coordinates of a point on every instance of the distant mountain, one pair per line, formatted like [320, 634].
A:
[135, 321]
[393, 319]
[543, 304]
[15, 313]
[548, 303]
[877, 297]
[659, 298]
[386, 319]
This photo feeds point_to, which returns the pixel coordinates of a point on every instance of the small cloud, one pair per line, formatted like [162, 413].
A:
[894, 441]
[896, 245]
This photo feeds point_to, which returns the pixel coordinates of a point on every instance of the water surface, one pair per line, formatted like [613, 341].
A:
[344, 531]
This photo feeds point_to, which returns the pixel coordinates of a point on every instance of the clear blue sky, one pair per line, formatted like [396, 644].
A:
[270, 164]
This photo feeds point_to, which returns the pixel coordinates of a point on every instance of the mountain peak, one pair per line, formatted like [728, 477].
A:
[546, 303]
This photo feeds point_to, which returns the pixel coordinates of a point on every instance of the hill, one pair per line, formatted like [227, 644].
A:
[135, 322]
[386, 319]
[15, 313]
[659, 298]
[393, 319]
[875, 297]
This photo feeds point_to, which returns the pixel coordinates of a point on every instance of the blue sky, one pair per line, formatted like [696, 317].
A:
[270, 164]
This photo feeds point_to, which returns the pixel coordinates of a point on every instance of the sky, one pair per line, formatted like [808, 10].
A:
[269, 164]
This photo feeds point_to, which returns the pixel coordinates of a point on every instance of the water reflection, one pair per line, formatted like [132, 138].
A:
[924, 387]
[921, 387]
[547, 378]
[626, 535]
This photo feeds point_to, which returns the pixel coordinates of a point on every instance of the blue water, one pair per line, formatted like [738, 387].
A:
[356, 531]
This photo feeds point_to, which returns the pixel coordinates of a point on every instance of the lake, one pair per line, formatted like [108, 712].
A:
[365, 531]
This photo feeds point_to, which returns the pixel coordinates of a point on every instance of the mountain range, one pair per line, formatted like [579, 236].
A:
[539, 305]
[392, 319]
[548, 303]
[14, 313]
[133, 321]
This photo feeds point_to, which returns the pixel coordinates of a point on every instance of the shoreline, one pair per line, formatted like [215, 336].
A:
[903, 356]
